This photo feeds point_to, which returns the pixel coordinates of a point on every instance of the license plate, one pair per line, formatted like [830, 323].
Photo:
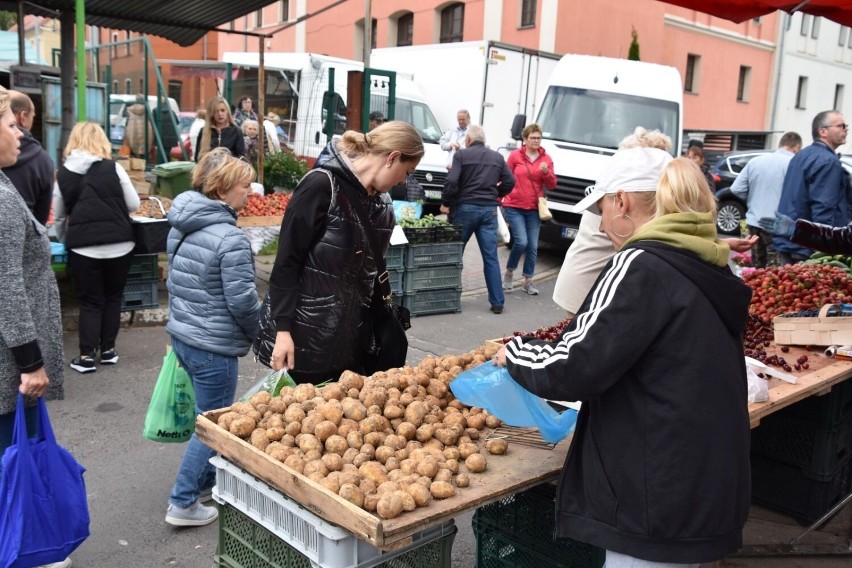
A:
[433, 193]
[568, 233]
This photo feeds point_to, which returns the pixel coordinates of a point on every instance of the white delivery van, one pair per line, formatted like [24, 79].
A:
[591, 104]
[493, 81]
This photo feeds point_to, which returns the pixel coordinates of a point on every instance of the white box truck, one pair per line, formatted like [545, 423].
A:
[591, 104]
[297, 89]
[493, 81]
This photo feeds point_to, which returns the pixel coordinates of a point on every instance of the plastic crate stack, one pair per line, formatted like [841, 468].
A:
[258, 526]
[801, 456]
[140, 291]
[517, 532]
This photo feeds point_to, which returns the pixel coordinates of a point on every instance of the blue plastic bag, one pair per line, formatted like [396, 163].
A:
[492, 388]
[43, 511]
[407, 210]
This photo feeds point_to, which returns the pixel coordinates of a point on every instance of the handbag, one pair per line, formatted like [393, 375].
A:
[171, 413]
[44, 516]
[543, 212]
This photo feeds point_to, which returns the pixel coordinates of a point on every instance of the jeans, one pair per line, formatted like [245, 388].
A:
[214, 378]
[100, 285]
[524, 225]
[481, 220]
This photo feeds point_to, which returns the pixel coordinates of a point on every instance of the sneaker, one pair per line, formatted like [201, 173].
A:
[84, 364]
[196, 515]
[496, 309]
[64, 564]
[507, 281]
[109, 357]
[206, 495]
[530, 289]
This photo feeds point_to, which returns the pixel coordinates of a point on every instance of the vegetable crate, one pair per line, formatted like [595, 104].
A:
[432, 278]
[435, 254]
[139, 296]
[517, 532]
[58, 257]
[395, 258]
[427, 302]
[258, 526]
[144, 268]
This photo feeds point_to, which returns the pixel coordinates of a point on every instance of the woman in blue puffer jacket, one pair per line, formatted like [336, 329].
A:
[213, 308]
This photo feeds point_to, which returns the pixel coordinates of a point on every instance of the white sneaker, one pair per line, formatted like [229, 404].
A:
[508, 283]
[64, 564]
[196, 515]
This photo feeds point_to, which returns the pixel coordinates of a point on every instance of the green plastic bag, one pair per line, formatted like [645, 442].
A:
[271, 383]
[171, 413]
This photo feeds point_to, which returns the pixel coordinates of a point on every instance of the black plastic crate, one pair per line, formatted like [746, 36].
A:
[432, 278]
[395, 257]
[826, 411]
[786, 489]
[517, 532]
[427, 302]
[419, 235]
[435, 254]
[139, 296]
[802, 443]
[448, 233]
[144, 268]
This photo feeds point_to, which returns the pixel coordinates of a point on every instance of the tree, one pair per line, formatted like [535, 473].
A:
[7, 20]
[633, 52]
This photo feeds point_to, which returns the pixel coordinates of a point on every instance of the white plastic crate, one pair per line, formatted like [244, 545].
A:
[324, 544]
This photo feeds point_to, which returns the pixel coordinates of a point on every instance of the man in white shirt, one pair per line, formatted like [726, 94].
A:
[453, 139]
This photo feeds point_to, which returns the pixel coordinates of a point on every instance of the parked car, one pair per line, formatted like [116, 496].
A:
[732, 209]
[185, 120]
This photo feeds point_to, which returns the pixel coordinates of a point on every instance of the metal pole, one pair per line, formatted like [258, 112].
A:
[368, 32]
[66, 78]
[261, 111]
[80, 11]
[22, 34]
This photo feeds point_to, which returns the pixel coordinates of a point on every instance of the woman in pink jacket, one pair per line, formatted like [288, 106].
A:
[533, 171]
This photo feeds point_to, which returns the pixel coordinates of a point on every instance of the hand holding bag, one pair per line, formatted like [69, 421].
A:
[44, 516]
[171, 413]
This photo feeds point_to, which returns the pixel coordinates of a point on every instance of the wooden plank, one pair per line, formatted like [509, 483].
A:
[520, 468]
[260, 221]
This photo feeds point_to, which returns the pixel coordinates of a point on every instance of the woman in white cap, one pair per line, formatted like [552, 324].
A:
[658, 470]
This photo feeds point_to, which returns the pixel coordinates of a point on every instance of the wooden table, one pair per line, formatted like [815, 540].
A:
[521, 468]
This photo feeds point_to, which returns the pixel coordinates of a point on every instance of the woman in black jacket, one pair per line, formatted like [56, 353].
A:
[833, 240]
[658, 468]
[220, 131]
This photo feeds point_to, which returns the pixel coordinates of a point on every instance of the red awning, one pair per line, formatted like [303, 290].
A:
[839, 11]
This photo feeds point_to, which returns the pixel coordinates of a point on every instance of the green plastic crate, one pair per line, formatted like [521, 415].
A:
[396, 281]
[139, 296]
[144, 268]
[394, 259]
[517, 532]
[427, 302]
[434, 254]
[432, 278]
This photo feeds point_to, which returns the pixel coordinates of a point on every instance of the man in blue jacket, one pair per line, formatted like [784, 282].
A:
[815, 187]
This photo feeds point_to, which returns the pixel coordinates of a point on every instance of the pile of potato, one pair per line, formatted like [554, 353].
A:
[148, 208]
[387, 443]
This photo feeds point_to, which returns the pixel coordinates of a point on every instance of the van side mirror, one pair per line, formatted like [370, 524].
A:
[518, 124]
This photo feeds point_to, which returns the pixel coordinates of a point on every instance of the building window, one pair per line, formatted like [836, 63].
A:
[284, 11]
[801, 92]
[115, 87]
[452, 23]
[838, 97]
[127, 86]
[175, 88]
[841, 39]
[374, 28]
[114, 50]
[806, 25]
[141, 85]
[693, 73]
[258, 18]
[744, 84]
[405, 29]
[127, 45]
[528, 9]
[815, 27]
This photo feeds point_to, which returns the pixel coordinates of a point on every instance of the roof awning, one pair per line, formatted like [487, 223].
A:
[839, 11]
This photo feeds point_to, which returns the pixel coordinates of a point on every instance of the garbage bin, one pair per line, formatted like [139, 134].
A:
[173, 177]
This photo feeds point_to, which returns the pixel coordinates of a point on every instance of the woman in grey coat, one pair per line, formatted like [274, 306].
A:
[30, 317]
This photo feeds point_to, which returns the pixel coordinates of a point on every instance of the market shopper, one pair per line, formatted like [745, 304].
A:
[453, 139]
[32, 174]
[92, 200]
[659, 464]
[213, 309]
[323, 283]
[220, 131]
[251, 139]
[244, 110]
[533, 171]
[831, 240]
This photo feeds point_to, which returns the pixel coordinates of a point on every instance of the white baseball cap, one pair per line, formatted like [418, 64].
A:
[634, 169]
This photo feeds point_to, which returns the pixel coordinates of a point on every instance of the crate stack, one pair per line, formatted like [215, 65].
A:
[801, 456]
[431, 281]
[140, 291]
[259, 526]
[518, 532]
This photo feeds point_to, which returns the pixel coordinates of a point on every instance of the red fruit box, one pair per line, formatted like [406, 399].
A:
[820, 330]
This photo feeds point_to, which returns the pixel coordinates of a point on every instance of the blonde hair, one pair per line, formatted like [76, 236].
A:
[5, 101]
[218, 172]
[643, 138]
[382, 140]
[683, 189]
[206, 133]
[88, 137]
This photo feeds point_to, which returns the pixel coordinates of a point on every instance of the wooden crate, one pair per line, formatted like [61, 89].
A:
[260, 221]
[819, 330]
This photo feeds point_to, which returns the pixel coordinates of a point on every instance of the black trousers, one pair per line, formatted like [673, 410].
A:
[100, 283]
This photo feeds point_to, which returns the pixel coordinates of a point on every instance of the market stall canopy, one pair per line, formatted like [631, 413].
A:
[839, 11]
[182, 22]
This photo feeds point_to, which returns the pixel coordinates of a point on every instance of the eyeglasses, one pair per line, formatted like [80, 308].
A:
[842, 125]
[533, 137]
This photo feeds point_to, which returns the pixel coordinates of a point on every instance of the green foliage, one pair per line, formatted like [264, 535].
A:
[7, 20]
[283, 169]
[269, 248]
[633, 52]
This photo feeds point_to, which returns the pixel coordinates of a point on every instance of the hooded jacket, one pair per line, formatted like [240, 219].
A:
[213, 303]
[32, 176]
[658, 467]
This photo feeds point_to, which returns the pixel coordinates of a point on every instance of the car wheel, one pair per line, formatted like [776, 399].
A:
[729, 217]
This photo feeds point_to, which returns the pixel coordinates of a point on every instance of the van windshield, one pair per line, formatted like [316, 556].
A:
[420, 116]
[602, 119]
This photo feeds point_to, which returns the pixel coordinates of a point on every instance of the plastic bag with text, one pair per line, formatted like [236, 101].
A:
[492, 388]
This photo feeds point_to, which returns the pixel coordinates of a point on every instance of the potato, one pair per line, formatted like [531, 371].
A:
[408, 466]
[331, 483]
[332, 392]
[352, 493]
[294, 413]
[392, 463]
[375, 439]
[427, 467]
[371, 501]
[311, 455]
[455, 418]
[437, 388]
[441, 490]
[355, 439]
[376, 396]
[351, 380]
[354, 409]
[349, 455]
[392, 411]
[475, 463]
[408, 503]
[447, 436]
[368, 486]
[389, 505]
[425, 432]
[242, 426]
[324, 430]
[395, 442]
[406, 430]
[375, 471]
[383, 453]
[476, 421]
[466, 449]
[275, 434]
[415, 412]
[331, 411]
[472, 433]
[452, 453]
[259, 439]
[492, 421]
[496, 446]
[309, 424]
[462, 480]
[434, 443]
[421, 494]
[296, 463]
[226, 419]
[293, 428]
[401, 453]
[305, 391]
[452, 465]
[336, 444]
[261, 397]
[308, 442]
[277, 406]
[315, 466]
[280, 453]
[288, 440]
[332, 461]
[443, 475]
[352, 477]
[368, 449]
[406, 398]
